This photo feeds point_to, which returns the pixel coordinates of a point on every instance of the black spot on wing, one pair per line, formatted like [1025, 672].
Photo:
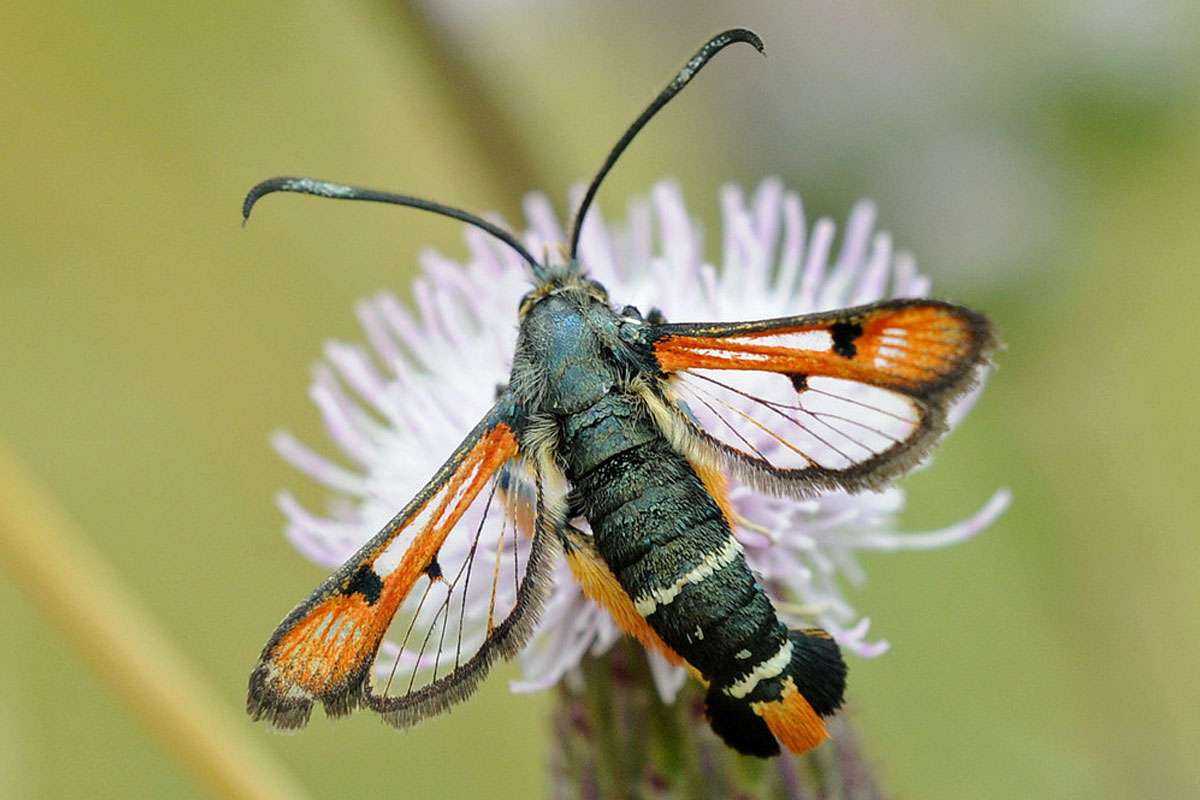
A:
[366, 582]
[799, 382]
[844, 335]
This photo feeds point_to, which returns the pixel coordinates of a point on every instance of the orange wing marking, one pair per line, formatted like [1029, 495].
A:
[323, 646]
[714, 481]
[485, 458]
[907, 347]
[599, 584]
[340, 633]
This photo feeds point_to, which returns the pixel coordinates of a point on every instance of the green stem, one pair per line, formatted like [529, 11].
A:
[108, 625]
[614, 738]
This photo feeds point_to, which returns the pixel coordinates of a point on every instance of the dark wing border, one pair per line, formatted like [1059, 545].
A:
[282, 687]
[932, 397]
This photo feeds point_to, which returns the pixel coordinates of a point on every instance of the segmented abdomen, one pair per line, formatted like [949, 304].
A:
[670, 546]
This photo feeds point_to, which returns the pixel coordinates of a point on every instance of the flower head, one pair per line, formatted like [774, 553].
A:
[386, 407]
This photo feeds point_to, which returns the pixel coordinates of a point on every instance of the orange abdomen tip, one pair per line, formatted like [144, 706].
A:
[792, 720]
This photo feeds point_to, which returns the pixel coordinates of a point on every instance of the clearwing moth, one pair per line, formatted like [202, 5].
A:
[624, 421]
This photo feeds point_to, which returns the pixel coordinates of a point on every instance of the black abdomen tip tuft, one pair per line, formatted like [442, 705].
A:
[818, 669]
[738, 726]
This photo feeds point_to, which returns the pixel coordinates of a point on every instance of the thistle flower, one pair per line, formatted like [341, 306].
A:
[395, 409]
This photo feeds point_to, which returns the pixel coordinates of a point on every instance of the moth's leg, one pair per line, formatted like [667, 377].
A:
[574, 506]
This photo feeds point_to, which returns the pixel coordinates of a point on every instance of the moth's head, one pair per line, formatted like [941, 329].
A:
[568, 282]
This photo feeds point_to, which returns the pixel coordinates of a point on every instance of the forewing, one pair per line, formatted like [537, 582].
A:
[474, 528]
[845, 399]
[491, 581]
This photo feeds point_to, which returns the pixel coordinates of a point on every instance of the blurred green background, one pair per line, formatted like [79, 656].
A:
[1042, 161]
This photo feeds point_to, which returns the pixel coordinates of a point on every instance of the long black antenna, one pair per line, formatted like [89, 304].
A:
[341, 192]
[693, 66]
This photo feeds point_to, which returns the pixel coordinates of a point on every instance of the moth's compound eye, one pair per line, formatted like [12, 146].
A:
[598, 290]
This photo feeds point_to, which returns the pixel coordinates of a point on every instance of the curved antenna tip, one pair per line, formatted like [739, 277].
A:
[248, 205]
[744, 35]
[262, 188]
[689, 71]
[251, 198]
